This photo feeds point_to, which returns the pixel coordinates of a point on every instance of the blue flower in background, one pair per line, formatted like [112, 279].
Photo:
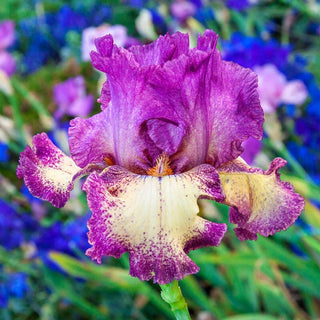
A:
[4, 152]
[18, 285]
[68, 238]
[137, 3]
[99, 14]
[4, 295]
[307, 157]
[306, 150]
[238, 4]
[12, 285]
[66, 20]
[34, 41]
[204, 15]
[252, 51]
[15, 228]
[42, 38]
[159, 21]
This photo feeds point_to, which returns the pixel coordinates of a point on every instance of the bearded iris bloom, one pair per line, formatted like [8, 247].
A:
[170, 132]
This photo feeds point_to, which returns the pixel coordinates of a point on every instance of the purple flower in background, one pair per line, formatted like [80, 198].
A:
[118, 32]
[71, 98]
[182, 9]
[7, 63]
[170, 132]
[6, 34]
[274, 88]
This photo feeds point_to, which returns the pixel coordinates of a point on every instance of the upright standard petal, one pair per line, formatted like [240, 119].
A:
[260, 202]
[153, 218]
[47, 172]
[137, 109]
[165, 48]
[187, 103]
[234, 111]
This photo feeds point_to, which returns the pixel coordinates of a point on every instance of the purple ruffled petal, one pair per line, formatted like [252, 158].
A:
[251, 149]
[165, 48]
[167, 98]
[154, 219]
[261, 202]
[91, 140]
[47, 172]
[105, 97]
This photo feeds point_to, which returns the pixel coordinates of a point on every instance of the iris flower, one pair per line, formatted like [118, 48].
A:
[169, 133]
[71, 98]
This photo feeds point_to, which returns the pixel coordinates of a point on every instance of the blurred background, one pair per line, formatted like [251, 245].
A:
[46, 79]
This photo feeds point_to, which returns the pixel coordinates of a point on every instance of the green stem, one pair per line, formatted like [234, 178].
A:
[171, 293]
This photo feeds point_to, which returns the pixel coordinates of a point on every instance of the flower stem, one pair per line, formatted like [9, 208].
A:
[171, 293]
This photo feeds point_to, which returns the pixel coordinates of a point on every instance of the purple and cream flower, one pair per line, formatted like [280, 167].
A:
[170, 132]
[71, 98]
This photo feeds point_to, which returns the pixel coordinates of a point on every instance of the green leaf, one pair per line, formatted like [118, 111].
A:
[229, 259]
[113, 278]
[313, 242]
[64, 288]
[194, 293]
[253, 316]
[274, 300]
[306, 269]
[304, 285]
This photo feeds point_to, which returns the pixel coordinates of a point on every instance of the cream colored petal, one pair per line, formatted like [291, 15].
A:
[153, 218]
[261, 202]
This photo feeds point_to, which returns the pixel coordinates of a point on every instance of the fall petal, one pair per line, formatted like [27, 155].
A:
[48, 173]
[154, 219]
[261, 202]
